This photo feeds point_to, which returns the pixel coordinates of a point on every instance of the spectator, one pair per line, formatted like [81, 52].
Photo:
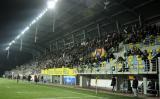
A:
[18, 78]
[145, 58]
[24, 77]
[135, 86]
[29, 78]
[35, 79]
[42, 79]
[113, 83]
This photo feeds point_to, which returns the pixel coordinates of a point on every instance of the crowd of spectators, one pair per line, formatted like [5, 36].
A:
[81, 53]
[146, 35]
[103, 47]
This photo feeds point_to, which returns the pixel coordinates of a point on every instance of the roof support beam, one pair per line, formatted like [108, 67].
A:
[27, 50]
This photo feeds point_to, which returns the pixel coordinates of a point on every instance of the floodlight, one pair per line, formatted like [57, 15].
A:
[13, 42]
[7, 48]
[22, 32]
[45, 10]
[34, 21]
[26, 29]
[40, 16]
[51, 4]
[18, 37]
[10, 44]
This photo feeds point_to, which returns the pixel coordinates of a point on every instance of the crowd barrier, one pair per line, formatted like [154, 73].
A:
[137, 67]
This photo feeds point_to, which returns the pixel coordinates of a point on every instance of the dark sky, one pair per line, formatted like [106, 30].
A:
[15, 15]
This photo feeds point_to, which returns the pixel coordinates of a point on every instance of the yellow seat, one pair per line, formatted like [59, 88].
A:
[138, 45]
[141, 66]
[149, 50]
[140, 62]
[158, 38]
[158, 50]
[104, 63]
[130, 58]
[119, 66]
[130, 45]
[150, 56]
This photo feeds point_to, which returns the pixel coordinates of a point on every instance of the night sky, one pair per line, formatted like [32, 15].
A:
[15, 15]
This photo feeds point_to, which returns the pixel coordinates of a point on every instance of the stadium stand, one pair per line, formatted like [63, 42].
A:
[92, 56]
[111, 54]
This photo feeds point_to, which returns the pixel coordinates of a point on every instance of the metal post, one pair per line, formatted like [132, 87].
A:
[133, 30]
[61, 80]
[8, 54]
[54, 20]
[64, 42]
[35, 39]
[45, 51]
[57, 45]
[96, 86]
[98, 28]
[21, 44]
[140, 21]
[145, 85]
[81, 81]
[50, 48]
[75, 81]
[151, 66]
[117, 24]
[159, 73]
[73, 39]
[84, 33]
[12, 75]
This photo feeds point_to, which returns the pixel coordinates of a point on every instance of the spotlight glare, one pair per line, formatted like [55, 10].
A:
[51, 4]
[13, 42]
[10, 44]
[34, 21]
[26, 29]
[7, 49]
[17, 37]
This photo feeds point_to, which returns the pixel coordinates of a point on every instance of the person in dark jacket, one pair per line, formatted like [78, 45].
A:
[42, 79]
[29, 78]
[35, 79]
[113, 83]
[18, 78]
[135, 86]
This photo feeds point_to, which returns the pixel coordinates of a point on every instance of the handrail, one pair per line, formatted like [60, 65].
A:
[138, 67]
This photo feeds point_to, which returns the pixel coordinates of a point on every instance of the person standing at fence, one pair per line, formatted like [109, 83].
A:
[135, 86]
[18, 77]
[113, 83]
[42, 79]
[36, 79]
[29, 78]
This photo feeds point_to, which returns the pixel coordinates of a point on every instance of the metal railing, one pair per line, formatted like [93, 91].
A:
[139, 67]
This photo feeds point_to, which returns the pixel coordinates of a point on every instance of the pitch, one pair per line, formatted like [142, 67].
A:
[9, 89]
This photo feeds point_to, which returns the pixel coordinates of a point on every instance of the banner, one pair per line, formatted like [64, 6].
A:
[59, 71]
[99, 52]
[69, 80]
[131, 77]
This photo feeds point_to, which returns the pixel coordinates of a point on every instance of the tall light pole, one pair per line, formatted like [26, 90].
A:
[51, 5]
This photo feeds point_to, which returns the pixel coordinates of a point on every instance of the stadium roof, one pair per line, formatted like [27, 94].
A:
[71, 16]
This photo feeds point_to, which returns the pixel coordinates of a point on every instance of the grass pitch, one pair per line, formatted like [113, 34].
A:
[9, 89]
